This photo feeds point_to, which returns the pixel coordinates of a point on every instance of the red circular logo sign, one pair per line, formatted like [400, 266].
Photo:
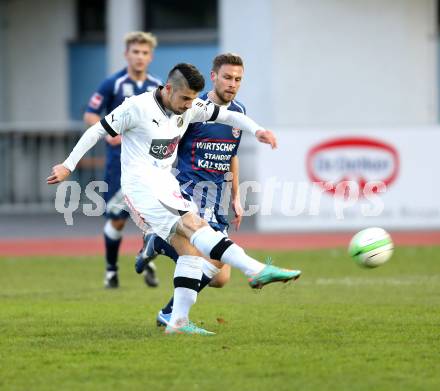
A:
[355, 159]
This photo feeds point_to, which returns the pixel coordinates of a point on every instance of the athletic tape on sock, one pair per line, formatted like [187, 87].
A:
[185, 282]
[219, 249]
[187, 276]
[209, 269]
[205, 239]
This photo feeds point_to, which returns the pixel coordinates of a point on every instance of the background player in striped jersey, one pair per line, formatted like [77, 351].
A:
[207, 152]
[134, 79]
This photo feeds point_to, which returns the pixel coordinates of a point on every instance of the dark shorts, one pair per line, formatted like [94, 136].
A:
[114, 200]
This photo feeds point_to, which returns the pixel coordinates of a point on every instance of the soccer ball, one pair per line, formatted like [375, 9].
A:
[371, 247]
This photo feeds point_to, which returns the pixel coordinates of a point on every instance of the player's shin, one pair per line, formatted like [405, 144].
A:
[112, 238]
[215, 245]
[209, 272]
[187, 277]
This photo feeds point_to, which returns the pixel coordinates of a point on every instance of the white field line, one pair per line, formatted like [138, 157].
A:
[356, 281]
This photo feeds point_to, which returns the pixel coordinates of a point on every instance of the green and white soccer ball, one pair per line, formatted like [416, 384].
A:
[371, 247]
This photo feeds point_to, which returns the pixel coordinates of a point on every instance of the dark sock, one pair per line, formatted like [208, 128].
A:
[203, 283]
[162, 247]
[169, 307]
[111, 253]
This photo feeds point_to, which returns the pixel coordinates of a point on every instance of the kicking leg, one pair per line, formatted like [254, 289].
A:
[216, 245]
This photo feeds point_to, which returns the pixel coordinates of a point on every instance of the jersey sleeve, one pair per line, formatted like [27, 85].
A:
[202, 111]
[100, 98]
[242, 109]
[237, 120]
[87, 141]
[124, 117]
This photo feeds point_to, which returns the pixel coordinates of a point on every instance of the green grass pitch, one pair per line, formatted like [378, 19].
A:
[340, 327]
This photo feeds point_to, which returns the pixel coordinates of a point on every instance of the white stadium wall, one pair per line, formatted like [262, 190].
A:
[333, 62]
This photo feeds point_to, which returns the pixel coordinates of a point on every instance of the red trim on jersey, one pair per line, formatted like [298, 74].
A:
[137, 217]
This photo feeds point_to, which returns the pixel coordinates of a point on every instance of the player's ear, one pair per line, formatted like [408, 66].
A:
[213, 76]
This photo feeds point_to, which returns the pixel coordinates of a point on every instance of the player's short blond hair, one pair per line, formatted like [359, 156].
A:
[140, 37]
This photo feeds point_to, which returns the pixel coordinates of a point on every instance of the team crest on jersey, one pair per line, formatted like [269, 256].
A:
[96, 101]
[236, 132]
[127, 89]
[179, 122]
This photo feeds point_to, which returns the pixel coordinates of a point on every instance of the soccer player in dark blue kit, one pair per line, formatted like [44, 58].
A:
[207, 161]
[132, 80]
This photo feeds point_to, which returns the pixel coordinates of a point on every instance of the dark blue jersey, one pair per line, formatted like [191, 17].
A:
[204, 155]
[112, 92]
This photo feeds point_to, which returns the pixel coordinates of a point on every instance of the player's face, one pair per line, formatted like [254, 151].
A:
[139, 56]
[227, 81]
[180, 99]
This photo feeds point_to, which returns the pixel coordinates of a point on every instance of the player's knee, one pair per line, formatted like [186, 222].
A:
[193, 222]
[118, 224]
[221, 278]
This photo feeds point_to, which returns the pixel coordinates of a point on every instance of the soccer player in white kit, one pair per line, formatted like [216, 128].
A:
[151, 126]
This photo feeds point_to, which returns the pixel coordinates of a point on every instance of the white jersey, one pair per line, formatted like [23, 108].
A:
[150, 136]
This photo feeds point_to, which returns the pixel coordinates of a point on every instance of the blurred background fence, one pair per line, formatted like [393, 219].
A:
[27, 152]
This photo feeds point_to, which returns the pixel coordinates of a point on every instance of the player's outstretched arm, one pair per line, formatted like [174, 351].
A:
[243, 122]
[201, 112]
[266, 137]
[90, 137]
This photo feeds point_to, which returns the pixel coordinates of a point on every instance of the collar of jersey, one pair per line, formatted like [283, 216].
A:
[158, 98]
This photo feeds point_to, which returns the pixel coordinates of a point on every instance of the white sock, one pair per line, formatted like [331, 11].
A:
[111, 232]
[236, 257]
[205, 239]
[187, 276]
[208, 269]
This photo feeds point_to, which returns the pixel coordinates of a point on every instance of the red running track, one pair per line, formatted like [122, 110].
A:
[85, 246]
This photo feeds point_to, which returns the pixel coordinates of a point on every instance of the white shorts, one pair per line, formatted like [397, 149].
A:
[156, 208]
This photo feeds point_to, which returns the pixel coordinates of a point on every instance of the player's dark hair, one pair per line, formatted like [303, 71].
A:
[193, 78]
[226, 59]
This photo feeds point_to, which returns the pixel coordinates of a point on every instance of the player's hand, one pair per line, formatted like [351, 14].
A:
[113, 141]
[266, 137]
[59, 174]
[238, 211]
